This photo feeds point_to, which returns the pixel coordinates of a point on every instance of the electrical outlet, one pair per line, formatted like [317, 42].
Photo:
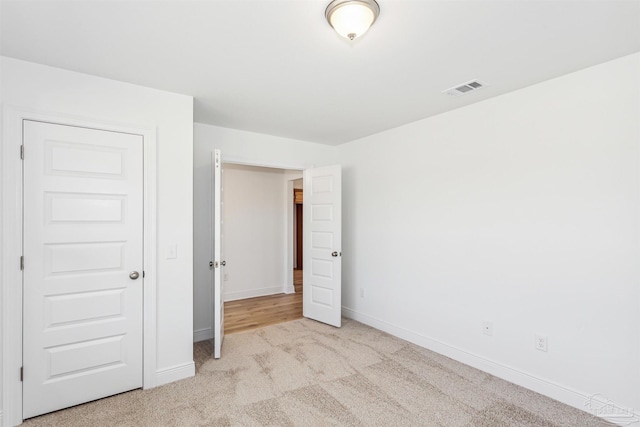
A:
[361, 292]
[540, 342]
[487, 328]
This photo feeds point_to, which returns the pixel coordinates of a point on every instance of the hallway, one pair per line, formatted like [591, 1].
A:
[251, 313]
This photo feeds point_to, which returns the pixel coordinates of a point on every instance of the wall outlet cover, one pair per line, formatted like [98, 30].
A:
[540, 342]
[487, 328]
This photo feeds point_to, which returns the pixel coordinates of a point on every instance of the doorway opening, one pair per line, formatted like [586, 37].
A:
[262, 246]
[322, 254]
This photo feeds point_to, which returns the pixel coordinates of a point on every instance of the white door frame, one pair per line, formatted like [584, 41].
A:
[11, 249]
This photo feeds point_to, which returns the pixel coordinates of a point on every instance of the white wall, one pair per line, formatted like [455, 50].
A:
[522, 210]
[51, 90]
[254, 231]
[258, 149]
[238, 147]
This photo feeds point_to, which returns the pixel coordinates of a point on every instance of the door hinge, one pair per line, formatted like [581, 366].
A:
[143, 274]
[22, 152]
[21, 263]
[21, 373]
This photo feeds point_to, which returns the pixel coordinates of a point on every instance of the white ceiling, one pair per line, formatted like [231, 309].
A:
[277, 67]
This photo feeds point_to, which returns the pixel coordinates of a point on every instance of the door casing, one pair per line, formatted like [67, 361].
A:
[11, 246]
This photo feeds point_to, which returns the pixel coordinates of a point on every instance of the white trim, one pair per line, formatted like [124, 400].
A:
[202, 334]
[11, 286]
[150, 326]
[548, 388]
[175, 373]
[253, 293]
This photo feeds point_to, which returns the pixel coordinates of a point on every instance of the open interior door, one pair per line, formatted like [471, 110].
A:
[322, 245]
[218, 263]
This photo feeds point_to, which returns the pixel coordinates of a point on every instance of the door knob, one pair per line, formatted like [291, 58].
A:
[334, 254]
[134, 275]
[223, 263]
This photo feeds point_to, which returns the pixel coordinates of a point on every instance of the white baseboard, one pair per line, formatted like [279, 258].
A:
[261, 292]
[202, 334]
[290, 290]
[548, 388]
[175, 373]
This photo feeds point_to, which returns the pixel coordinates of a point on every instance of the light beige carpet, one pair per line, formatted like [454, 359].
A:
[304, 373]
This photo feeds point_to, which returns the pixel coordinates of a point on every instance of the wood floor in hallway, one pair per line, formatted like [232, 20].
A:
[251, 313]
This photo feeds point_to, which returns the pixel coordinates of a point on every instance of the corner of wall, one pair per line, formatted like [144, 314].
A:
[202, 334]
[175, 373]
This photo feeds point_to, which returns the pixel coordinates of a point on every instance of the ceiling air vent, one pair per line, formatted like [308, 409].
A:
[464, 88]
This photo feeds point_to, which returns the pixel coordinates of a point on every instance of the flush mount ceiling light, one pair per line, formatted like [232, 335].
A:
[352, 18]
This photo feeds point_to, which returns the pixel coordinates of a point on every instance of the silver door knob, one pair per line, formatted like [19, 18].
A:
[223, 263]
[334, 254]
[134, 275]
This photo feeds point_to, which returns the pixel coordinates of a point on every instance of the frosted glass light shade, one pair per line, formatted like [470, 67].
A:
[352, 18]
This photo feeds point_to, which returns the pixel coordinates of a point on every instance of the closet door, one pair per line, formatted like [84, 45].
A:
[83, 259]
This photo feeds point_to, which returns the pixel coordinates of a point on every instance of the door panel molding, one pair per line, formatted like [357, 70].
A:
[11, 246]
[322, 245]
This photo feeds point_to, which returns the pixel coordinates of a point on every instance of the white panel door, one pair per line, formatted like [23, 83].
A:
[322, 245]
[218, 260]
[83, 238]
